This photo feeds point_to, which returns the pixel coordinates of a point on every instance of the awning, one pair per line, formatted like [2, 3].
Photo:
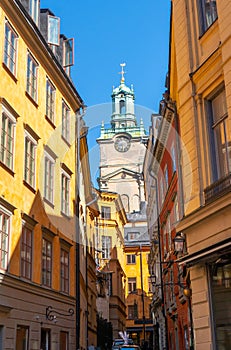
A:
[139, 329]
[206, 254]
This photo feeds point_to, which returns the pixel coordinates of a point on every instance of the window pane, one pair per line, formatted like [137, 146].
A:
[26, 253]
[31, 86]
[53, 30]
[4, 239]
[10, 48]
[7, 141]
[68, 53]
[50, 101]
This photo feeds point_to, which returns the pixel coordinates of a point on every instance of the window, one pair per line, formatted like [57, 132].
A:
[106, 212]
[50, 101]
[68, 56]
[122, 107]
[125, 201]
[4, 238]
[220, 136]
[22, 338]
[131, 258]
[8, 123]
[131, 284]
[10, 48]
[65, 122]
[64, 271]
[26, 253]
[133, 235]
[166, 177]
[161, 192]
[1, 337]
[53, 30]
[173, 157]
[220, 274]
[30, 151]
[65, 193]
[49, 178]
[34, 10]
[208, 13]
[165, 239]
[132, 311]
[63, 340]
[32, 77]
[45, 339]
[176, 210]
[168, 232]
[106, 247]
[46, 262]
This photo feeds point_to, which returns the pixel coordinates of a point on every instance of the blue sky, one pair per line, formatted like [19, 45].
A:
[107, 33]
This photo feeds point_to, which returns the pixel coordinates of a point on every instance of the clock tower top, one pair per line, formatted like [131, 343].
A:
[123, 119]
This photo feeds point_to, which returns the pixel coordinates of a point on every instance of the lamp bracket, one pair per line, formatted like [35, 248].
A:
[51, 313]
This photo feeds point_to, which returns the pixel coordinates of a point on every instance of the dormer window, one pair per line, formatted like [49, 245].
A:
[34, 10]
[53, 30]
[68, 52]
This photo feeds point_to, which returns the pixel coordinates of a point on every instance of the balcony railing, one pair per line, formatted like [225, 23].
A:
[218, 189]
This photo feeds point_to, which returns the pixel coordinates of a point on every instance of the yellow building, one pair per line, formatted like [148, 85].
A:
[110, 257]
[139, 323]
[39, 107]
[199, 86]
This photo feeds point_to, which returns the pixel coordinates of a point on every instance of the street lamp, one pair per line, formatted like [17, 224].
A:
[179, 242]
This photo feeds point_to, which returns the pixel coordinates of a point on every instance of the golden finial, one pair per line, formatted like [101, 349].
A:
[122, 65]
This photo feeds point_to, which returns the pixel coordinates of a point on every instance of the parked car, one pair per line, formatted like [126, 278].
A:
[117, 343]
[129, 347]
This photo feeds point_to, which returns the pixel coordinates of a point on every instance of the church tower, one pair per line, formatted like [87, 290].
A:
[122, 150]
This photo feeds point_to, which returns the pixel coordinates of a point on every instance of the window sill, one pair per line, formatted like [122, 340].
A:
[50, 122]
[31, 99]
[6, 168]
[66, 141]
[29, 186]
[67, 216]
[9, 72]
[48, 202]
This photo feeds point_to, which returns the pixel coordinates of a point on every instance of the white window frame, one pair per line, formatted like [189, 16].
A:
[66, 120]
[32, 77]
[173, 156]
[12, 120]
[34, 6]
[64, 279]
[65, 192]
[8, 214]
[132, 284]
[106, 247]
[24, 260]
[166, 177]
[32, 160]
[49, 177]
[131, 259]
[50, 100]
[10, 48]
[218, 128]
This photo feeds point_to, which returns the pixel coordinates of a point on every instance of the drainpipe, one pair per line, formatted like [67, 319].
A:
[77, 249]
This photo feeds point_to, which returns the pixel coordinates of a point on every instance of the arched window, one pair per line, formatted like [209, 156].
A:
[125, 201]
[122, 107]
[135, 203]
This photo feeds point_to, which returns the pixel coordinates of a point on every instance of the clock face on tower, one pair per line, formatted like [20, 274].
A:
[122, 144]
